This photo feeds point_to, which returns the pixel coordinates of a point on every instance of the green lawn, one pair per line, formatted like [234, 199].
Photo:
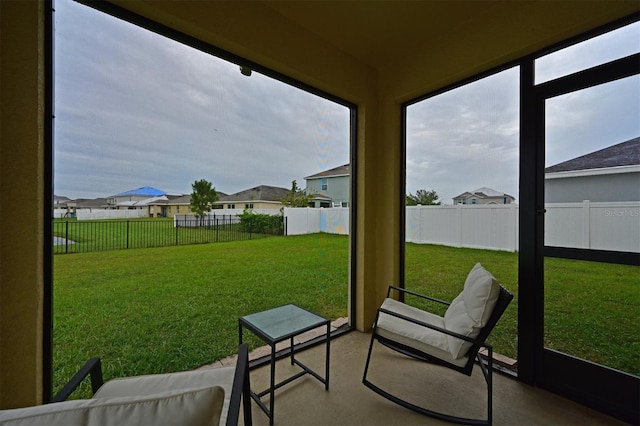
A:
[175, 308]
[592, 310]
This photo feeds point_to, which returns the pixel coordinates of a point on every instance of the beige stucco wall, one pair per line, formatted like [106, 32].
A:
[22, 184]
[281, 45]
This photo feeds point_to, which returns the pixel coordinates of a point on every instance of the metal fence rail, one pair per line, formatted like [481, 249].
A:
[88, 236]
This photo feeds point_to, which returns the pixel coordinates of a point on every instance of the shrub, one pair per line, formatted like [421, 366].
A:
[261, 223]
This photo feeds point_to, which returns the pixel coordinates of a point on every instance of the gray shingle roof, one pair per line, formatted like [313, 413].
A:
[483, 192]
[258, 193]
[623, 154]
[343, 170]
[87, 203]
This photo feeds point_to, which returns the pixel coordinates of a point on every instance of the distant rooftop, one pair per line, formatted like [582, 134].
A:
[623, 154]
[483, 192]
[145, 191]
[343, 170]
[258, 193]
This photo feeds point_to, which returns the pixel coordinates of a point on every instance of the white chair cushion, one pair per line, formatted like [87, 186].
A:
[470, 311]
[196, 406]
[424, 339]
[154, 383]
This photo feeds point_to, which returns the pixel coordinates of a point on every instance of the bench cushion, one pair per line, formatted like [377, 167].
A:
[424, 339]
[154, 383]
[195, 406]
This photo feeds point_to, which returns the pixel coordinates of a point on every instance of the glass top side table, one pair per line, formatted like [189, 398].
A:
[279, 324]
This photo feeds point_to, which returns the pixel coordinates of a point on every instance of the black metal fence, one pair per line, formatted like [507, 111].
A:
[72, 236]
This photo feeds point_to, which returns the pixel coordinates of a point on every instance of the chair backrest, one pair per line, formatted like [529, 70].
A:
[504, 299]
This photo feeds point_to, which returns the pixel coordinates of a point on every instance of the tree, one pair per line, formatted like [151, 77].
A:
[202, 197]
[423, 197]
[296, 197]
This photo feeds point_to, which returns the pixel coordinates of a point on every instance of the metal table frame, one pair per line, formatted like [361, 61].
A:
[282, 326]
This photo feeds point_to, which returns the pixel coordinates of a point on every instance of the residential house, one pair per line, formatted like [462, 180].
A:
[170, 206]
[330, 187]
[609, 174]
[375, 59]
[89, 203]
[128, 199]
[60, 201]
[259, 197]
[484, 196]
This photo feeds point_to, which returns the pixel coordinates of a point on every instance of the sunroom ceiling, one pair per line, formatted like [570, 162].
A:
[405, 48]
[386, 33]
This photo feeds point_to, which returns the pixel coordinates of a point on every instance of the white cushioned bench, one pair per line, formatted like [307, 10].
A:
[201, 397]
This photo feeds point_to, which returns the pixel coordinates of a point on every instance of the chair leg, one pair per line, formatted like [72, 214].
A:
[446, 417]
[366, 365]
[487, 372]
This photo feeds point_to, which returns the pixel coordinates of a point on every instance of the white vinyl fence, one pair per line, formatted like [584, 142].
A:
[598, 226]
[97, 214]
[488, 226]
[308, 220]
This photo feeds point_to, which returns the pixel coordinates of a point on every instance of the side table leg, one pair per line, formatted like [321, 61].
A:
[291, 346]
[326, 385]
[272, 397]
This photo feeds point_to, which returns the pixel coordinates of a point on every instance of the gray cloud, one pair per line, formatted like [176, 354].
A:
[134, 109]
[465, 139]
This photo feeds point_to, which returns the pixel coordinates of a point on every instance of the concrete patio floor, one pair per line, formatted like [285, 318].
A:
[348, 402]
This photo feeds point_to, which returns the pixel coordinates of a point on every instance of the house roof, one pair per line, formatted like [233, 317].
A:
[147, 201]
[622, 154]
[258, 193]
[86, 203]
[60, 199]
[145, 191]
[343, 170]
[181, 199]
[483, 192]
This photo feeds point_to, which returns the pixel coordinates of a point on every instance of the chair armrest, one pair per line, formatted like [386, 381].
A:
[92, 368]
[433, 327]
[240, 390]
[413, 293]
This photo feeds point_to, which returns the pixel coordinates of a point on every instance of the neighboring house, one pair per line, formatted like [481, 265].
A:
[610, 174]
[89, 204]
[60, 201]
[170, 205]
[259, 197]
[484, 196]
[331, 187]
[127, 198]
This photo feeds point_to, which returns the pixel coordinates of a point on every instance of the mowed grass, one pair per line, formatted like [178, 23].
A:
[592, 309]
[176, 308]
[168, 309]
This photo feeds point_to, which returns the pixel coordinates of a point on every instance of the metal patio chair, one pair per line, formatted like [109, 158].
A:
[453, 340]
[209, 396]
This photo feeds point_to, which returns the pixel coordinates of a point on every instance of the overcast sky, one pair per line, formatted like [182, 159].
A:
[136, 109]
[467, 138]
